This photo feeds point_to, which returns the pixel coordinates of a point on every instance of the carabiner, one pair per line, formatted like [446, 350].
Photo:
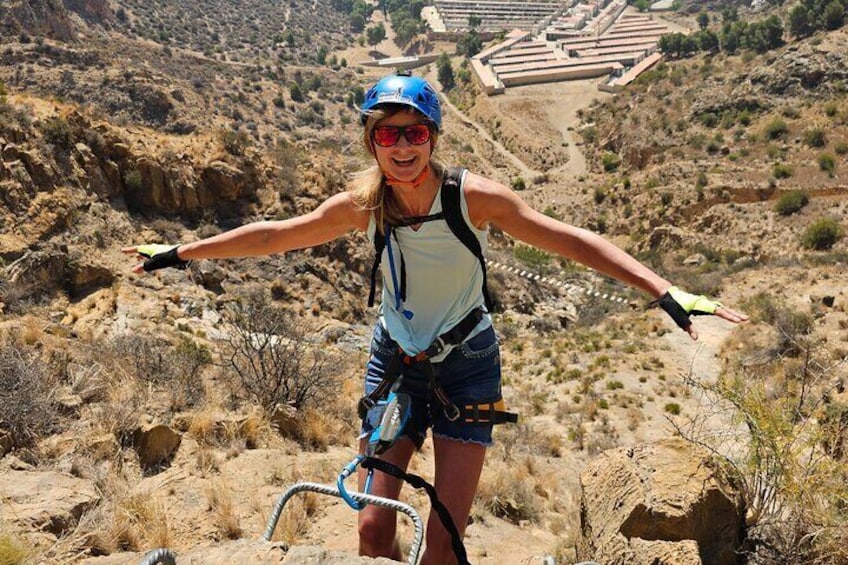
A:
[350, 469]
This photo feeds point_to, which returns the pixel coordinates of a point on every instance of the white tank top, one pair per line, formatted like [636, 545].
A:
[444, 280]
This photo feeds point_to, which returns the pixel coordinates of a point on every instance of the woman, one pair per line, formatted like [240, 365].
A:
[432, 284]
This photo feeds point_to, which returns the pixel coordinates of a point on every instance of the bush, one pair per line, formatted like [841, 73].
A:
[534, 258]
[821, 234]
[815, 137]
[827, 163]
[672, 408]
[57, 131]
[268, 351]
[235, 142]
[782, 171]
[26, 392]
[709, 119]
[156, 361]
[791, 202]
[776, 129]
[610, 162]
[518, 183]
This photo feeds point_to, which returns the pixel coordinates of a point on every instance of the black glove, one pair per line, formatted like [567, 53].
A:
[161, 256]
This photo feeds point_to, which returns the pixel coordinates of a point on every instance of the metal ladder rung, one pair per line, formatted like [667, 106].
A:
[390, 503]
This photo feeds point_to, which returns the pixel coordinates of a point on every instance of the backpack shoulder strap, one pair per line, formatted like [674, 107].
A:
[379, 242]
[452, 209]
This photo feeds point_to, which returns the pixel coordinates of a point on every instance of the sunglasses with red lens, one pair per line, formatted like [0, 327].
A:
[387, 136]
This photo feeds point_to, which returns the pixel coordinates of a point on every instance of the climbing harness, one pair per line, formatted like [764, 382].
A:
[487, 412]
[452, 215]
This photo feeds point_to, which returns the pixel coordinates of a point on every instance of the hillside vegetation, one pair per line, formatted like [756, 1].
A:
[160, 121]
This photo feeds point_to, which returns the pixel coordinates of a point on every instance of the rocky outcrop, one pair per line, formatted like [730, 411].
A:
[42, 273]
[45, 501]
[155, 444]
[37, 17]
[92, 11]
[802, 67]
[660, 503]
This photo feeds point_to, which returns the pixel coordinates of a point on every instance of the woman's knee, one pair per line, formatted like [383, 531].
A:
[377, 530]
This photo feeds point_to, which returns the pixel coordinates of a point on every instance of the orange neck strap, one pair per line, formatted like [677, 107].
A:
[416, 182]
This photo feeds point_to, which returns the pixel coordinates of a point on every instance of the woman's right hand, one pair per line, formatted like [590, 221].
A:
[155, 256]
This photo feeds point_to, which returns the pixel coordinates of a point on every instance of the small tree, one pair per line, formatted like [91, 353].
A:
[834, 15]
[703, 20]
[445, 72]
[268, 351]
[799, 22]
[375, 34]
[295, 92]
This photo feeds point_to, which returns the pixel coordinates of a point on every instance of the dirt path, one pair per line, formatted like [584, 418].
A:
[526, 171]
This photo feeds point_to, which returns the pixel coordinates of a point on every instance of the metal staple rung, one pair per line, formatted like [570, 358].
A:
[389, 503]
[161, 556]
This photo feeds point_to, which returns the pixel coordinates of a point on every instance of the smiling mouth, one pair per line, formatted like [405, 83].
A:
[403, 162]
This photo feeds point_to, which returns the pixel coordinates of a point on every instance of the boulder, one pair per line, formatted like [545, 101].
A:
[84, 276]
[101, 180]
[45, 500]
[37, 272]
[155, 444]
[661, 503]
[222, 181]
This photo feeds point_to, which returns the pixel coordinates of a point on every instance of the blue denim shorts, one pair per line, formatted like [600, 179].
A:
[471, 373]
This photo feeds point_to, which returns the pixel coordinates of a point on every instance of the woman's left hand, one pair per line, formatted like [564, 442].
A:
[680, 305]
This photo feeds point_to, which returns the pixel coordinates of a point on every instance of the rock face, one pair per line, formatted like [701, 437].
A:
[155, 444]
[45, 500]
[660, 503]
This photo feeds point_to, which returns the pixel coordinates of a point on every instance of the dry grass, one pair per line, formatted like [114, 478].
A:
[13, 550]
[126, 522]
[296, 518]
[224, 513]
[509, 491]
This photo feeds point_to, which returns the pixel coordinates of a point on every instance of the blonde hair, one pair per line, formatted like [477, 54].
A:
[369, 189]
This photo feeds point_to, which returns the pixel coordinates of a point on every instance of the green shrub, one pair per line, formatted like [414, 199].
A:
[610, 162]
[831, 109]
[672, 408]
[841, 148]
[709, 119]
[57, 131]
[782, 171]
[599, 195]
[776, 129]
[791, 202]
[133, 180]
[518, 183]
[235, 142]
[821, 234]
[827, 163]
[534, 258]
[815, 137]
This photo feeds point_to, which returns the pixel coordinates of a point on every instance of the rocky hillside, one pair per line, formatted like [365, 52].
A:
[131, 399]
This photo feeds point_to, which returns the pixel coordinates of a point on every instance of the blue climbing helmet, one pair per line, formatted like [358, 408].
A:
[405, 90]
